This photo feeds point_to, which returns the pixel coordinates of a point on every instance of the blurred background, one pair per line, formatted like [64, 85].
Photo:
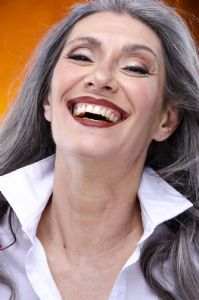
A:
[23, 23]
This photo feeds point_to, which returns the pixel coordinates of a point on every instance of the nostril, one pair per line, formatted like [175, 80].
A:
[90, 84]
[100, 85]
[108, 88]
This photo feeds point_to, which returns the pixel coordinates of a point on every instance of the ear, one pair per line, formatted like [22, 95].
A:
[170, 120]
[47, 109]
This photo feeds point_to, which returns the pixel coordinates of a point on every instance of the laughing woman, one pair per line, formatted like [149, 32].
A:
[99, 160]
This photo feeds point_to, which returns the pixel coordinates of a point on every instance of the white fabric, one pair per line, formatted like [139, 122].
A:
[28, 189]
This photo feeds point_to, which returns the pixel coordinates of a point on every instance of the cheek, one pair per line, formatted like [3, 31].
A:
[65, 76]
[144, 94]
[145, 97]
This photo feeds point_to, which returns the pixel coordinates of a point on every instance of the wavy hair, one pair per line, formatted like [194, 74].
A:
[26, 137]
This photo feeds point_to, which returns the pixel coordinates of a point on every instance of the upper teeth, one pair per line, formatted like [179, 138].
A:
[110, 114]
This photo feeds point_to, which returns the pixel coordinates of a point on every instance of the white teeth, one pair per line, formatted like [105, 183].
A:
[89, 108]
[97, 110]
[77, 110]
[103, 111]
[112, 117]
[108, 113]
[116, 119]
[81, 108]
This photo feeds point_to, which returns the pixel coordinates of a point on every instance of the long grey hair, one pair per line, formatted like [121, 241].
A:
[26, 137]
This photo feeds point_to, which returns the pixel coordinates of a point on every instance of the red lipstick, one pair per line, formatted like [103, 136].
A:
[88, 118]
[102, 102]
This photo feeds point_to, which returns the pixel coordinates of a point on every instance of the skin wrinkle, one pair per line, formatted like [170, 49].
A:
[97, 197]
[175, 160]
[96, 44]
[69, 38]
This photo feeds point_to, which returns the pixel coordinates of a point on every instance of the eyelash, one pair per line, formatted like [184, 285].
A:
[137, 69]
[134, 69]
[80, 57]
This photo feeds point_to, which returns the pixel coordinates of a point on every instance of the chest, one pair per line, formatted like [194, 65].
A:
[71, 284]
[84, 282]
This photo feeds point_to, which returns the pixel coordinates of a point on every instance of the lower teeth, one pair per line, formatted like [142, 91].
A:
[97, 120]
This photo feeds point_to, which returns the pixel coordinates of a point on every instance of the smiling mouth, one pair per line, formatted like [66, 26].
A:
[95, 112]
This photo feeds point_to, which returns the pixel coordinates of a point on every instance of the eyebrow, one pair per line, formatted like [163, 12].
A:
[90, 40]
[127, 49]
[131, 48]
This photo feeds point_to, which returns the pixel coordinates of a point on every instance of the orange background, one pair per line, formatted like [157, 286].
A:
[22, 23]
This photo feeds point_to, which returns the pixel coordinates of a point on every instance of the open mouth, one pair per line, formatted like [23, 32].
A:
[95, 112]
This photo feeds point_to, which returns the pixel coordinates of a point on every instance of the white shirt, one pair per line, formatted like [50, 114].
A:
[28, 190]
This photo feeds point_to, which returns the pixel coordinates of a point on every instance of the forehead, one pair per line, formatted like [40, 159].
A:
[110, 27]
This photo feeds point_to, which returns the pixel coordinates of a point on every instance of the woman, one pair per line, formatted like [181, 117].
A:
[111, 93]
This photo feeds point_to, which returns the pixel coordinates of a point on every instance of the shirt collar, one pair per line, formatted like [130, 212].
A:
[159, 201]
[28, 190]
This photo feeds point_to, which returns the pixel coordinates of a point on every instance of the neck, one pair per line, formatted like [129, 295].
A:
[94, 209]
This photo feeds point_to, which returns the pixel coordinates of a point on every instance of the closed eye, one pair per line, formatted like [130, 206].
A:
[139, 71]
[79, 57]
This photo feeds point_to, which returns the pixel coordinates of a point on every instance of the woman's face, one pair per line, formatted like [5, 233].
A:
[106, 96]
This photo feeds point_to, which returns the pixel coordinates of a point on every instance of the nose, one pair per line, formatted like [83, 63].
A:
[101, 80]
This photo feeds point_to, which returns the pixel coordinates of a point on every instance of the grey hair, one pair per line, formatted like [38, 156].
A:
[26, 136]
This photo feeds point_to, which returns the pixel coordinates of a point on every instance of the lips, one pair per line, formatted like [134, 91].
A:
[95, 112]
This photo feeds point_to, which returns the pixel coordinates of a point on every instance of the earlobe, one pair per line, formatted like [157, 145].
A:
[47, 109]
[169, 122]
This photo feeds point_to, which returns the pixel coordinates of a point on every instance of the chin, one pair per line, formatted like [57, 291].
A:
[87, 150]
